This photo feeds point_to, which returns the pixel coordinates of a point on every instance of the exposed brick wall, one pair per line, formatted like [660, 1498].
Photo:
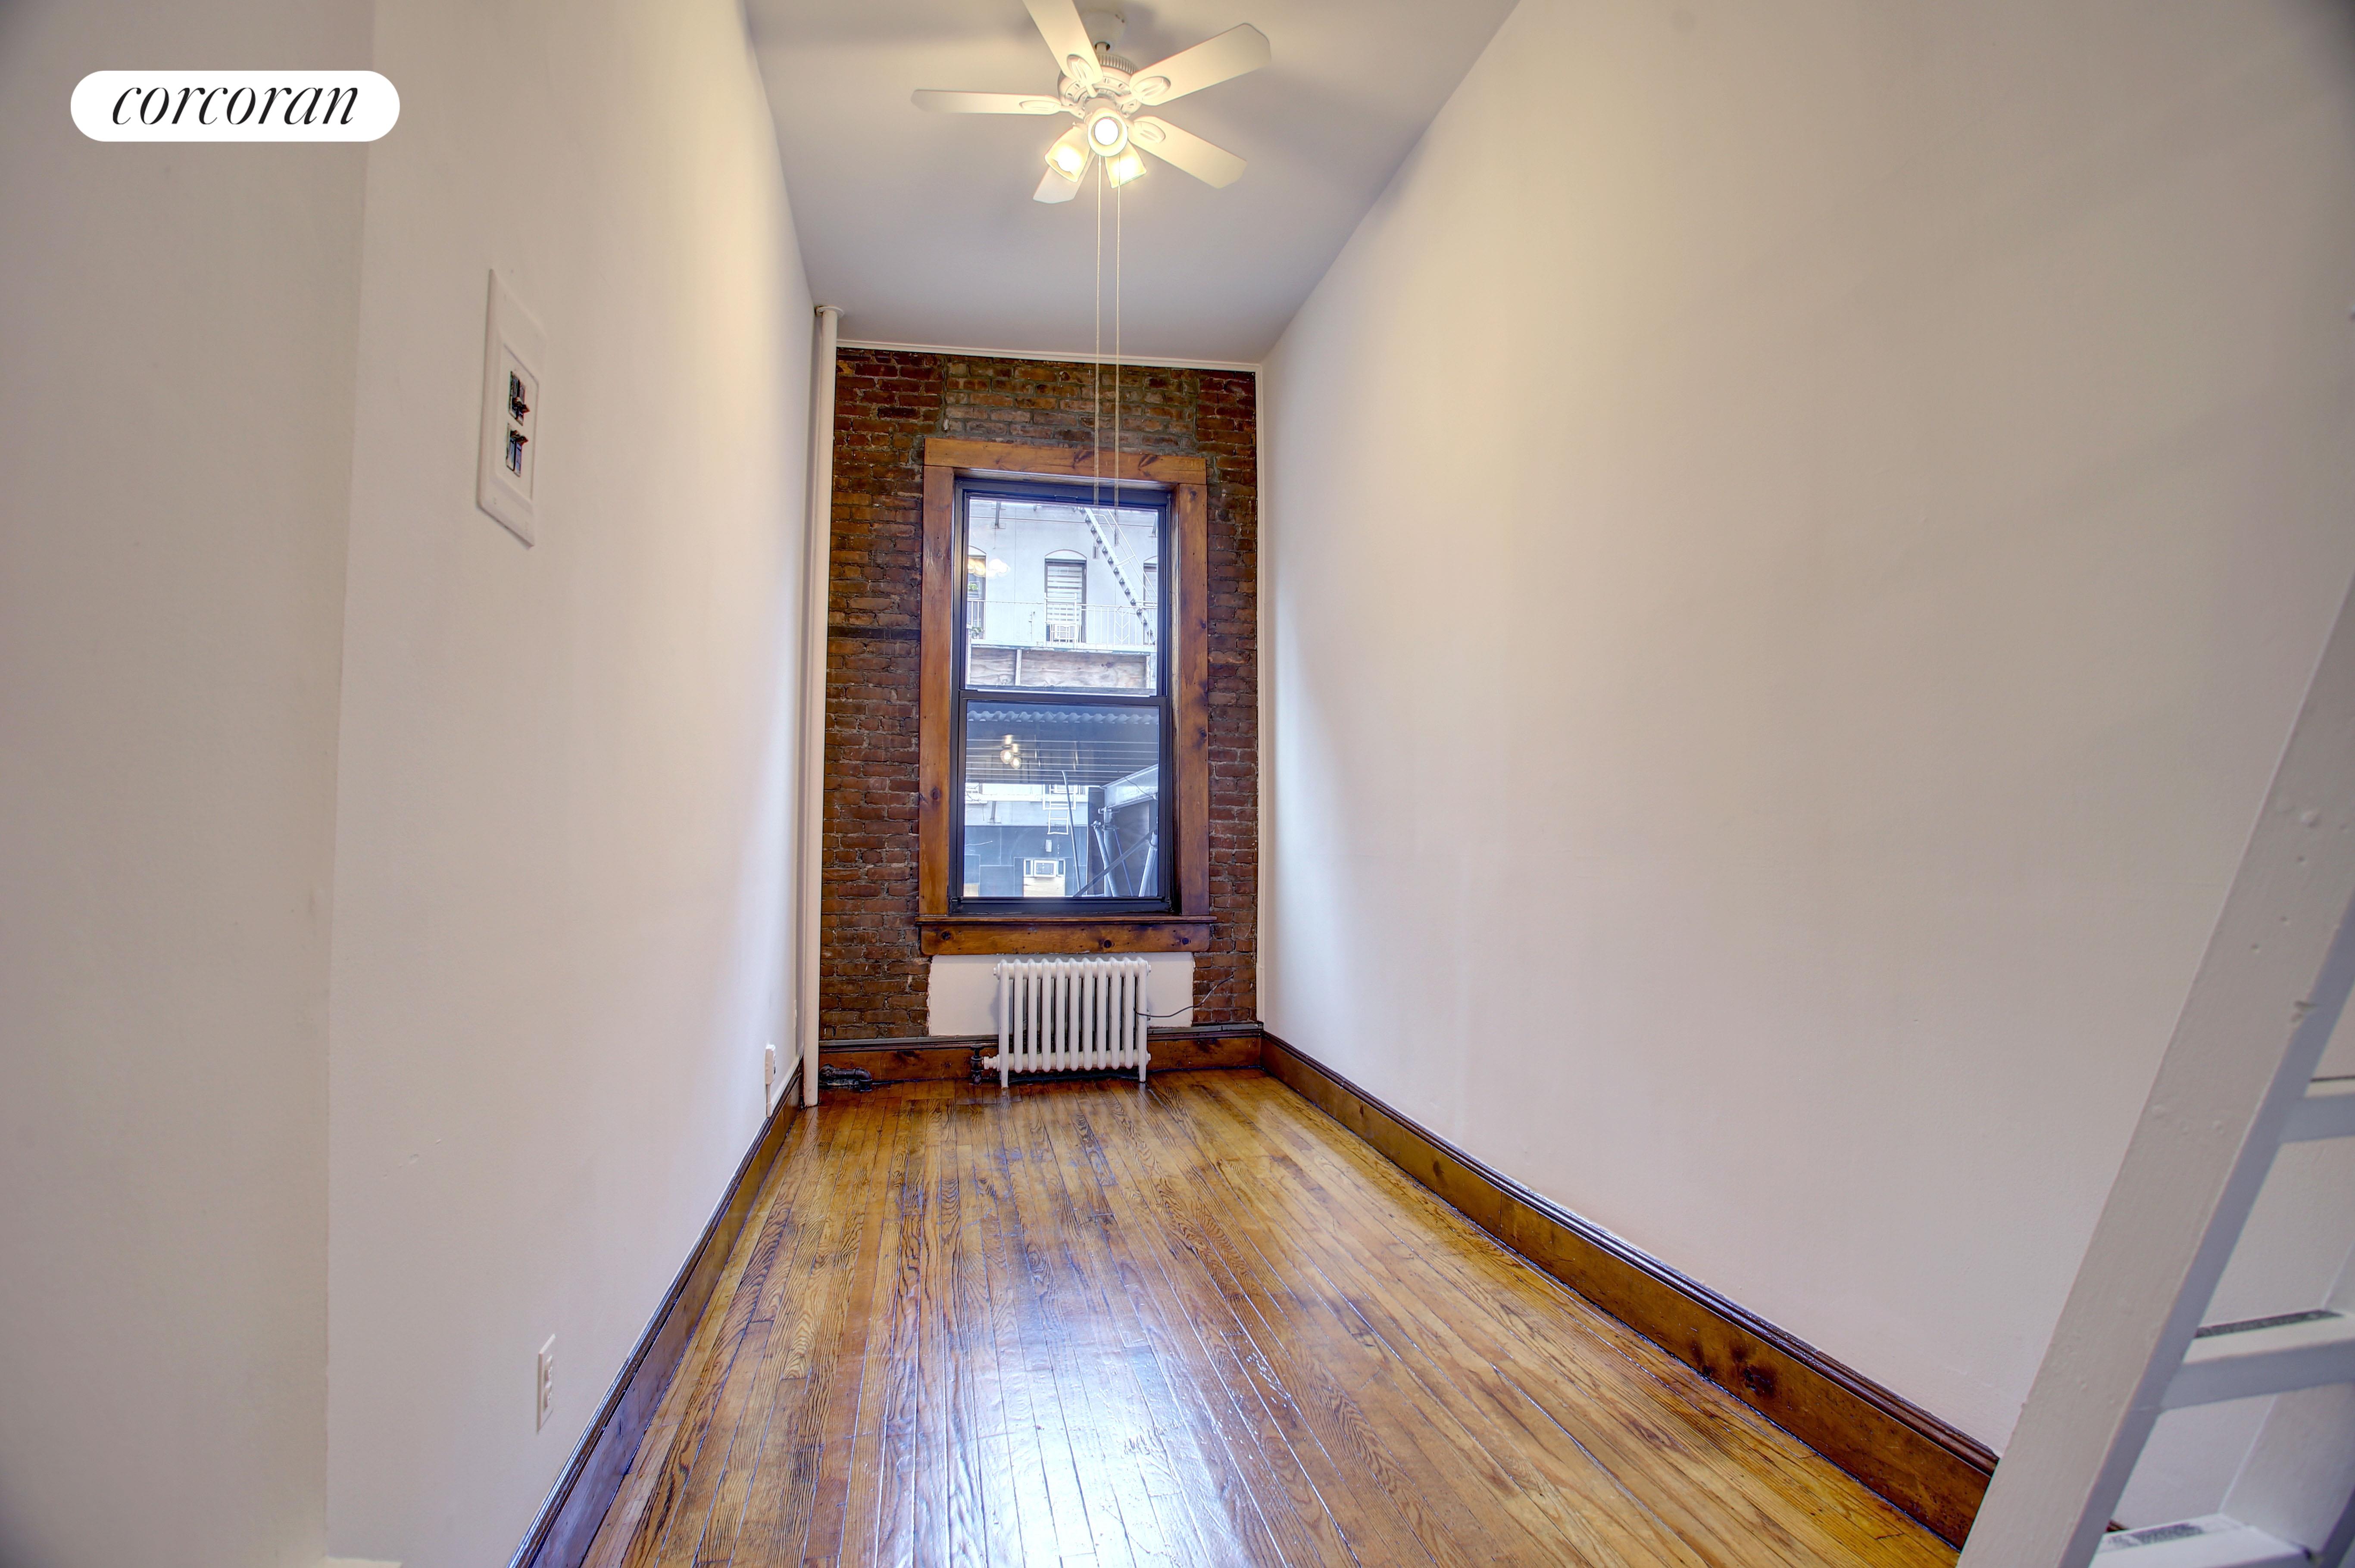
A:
[873, 973]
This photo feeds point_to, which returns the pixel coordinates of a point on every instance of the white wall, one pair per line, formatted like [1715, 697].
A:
[1893, 465]
[961, 997]
[175, 406]
[563, 845]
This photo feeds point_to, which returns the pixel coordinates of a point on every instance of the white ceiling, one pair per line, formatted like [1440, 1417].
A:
[920, 227]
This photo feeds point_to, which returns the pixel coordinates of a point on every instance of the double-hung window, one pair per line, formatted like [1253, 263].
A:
[1062, 713]
[1063, 777]
[1067, 597]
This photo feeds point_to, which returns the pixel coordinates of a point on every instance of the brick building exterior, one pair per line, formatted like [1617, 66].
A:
[873, 975]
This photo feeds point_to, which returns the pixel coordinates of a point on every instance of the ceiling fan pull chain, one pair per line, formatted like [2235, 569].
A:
[1095, 405]
[1117, 208]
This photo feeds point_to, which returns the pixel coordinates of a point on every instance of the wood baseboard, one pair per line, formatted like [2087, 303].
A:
[925, 1057]
[1902, 1452]
[567, 1523]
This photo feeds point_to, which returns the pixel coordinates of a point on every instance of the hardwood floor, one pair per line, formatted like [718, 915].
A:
[1194, 1321]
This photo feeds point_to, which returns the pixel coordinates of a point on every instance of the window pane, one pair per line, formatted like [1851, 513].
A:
[1060, 596]
[1063, 801]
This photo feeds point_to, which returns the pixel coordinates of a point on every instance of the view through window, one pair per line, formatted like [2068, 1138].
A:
[1062, 711]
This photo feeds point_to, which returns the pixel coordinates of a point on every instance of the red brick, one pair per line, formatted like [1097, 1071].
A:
[873, 973]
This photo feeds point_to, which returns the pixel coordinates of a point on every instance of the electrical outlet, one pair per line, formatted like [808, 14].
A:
[546, 1395]
[769, 1071]
[506, 478]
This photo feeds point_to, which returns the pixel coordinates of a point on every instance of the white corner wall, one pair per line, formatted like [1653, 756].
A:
[562, 842]
[176, 406]
[1794, 535]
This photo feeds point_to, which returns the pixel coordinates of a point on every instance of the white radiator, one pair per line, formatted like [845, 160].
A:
[1071, 1015]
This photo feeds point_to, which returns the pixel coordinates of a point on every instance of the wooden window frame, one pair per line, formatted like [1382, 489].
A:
[1186, 928]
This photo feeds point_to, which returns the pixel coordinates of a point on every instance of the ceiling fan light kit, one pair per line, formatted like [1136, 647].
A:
[1107, 130]
[1107, 95]
[1068, 155]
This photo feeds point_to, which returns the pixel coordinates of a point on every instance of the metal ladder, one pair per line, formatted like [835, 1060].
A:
[2237, 1082]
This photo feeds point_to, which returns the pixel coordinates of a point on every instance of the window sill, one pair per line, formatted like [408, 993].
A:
[1063, 933]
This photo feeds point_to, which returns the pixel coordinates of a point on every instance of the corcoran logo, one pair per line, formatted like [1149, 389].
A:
[235, 105]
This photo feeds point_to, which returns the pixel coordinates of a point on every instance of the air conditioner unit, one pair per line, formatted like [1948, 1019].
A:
[1042, 879]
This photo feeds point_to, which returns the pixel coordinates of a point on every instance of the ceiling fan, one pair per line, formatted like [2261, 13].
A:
[1109, 96]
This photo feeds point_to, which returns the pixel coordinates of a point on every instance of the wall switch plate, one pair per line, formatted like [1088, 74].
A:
[514, 357]
[545, 1394]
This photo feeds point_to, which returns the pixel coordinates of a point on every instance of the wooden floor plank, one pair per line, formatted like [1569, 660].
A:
[1053, 1517]
[1035, 1282]
[800, 1226]
[1589, 1395]
[1075, 1332]
[1389, 1478]
[1556, 1487]
[844, 1367]
[801, 1370]
[982, 1456]
[887, 1510]
[1737, 1487]
[1102, 1324]
[669, 1454]
[1355, 1399]
[1555, 1524]
[1351, 1484]
[1166, 1442]
[1190, 1365]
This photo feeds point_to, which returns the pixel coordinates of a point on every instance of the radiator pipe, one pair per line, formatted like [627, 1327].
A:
[818, 568]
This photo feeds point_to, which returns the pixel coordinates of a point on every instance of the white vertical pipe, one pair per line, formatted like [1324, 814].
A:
[1005, 1031]
[1140, 987]
[817, 567]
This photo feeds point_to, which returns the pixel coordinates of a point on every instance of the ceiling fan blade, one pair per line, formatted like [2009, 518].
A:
[1207, 162]
[1067, 38]
[1230, 54]
[1055, 187]
[940, 102]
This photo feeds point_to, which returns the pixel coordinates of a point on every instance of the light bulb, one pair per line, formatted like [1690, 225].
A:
[1069, 157]
[1107, 131]
[1124, 166]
